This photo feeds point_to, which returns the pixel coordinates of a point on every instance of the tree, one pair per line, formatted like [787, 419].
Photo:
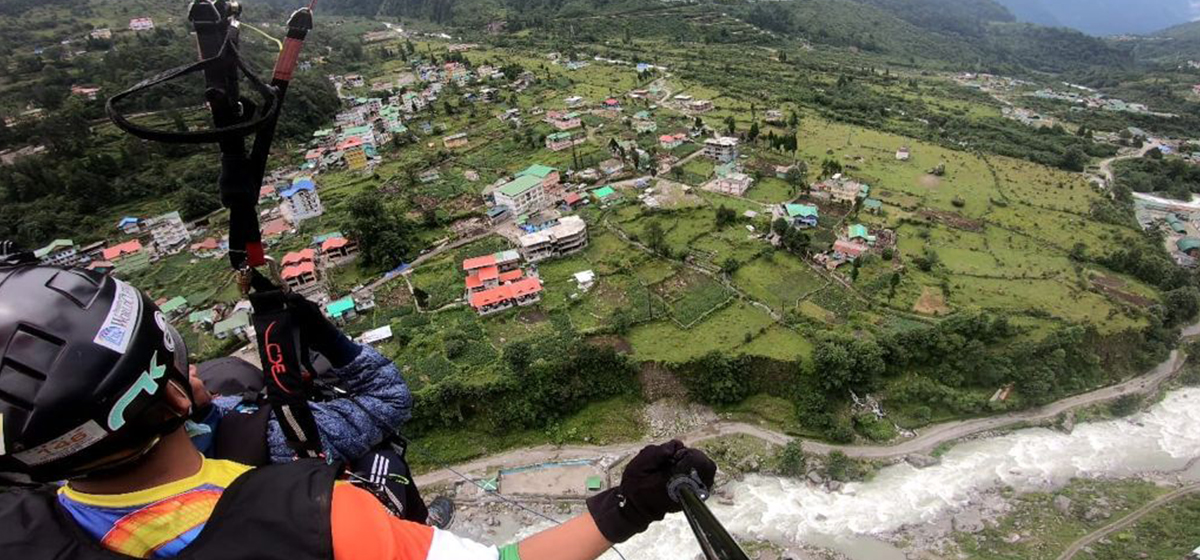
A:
[797, 177]
[753, 134]
[656, 238]
[841, 363]
[518, 356]
[725, 217]
[792, 461]
[385, 235]
[1154, 153]
[1073, 159]
[718, 379]
[195, 203]
[780, 226]
[730, 265]
[830, 167]
[893, 283]
[730, 125]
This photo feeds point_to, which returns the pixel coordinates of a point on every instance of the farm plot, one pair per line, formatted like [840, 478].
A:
[691, 295]
[723, 331]
[779, 281]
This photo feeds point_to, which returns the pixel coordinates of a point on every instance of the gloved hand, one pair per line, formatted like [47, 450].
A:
[641, 498]
[319, 333]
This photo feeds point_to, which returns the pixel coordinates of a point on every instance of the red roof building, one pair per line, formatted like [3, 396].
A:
[117, 251]
[571, 199]
[275, 228]
[334, 243]
[850, 249]
[298, 257]
[298, 270]
[479, 262]
[522, 292]
[511, 276]
[209, 244]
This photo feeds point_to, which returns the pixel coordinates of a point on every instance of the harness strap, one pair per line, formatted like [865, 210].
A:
[281, 352]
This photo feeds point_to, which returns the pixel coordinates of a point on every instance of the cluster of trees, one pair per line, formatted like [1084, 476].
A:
[384, 233]
[1171, 176]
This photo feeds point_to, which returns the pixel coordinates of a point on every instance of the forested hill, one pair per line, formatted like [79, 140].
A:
[957, 33]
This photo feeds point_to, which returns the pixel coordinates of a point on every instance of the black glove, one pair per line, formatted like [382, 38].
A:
[641, 498]
[318, 333]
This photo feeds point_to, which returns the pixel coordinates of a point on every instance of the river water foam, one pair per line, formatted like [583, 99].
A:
[1163, 438]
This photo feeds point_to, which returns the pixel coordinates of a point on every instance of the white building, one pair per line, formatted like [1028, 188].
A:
[169, 232]
[722, 148]
[141, 24]
[521, 195]
[300, 201]
[568, 236]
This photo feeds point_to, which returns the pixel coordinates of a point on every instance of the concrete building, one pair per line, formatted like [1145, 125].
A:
[127, 257]
[339, 250]
[455, 140]
[60, 252]
[141, 24]
[521, 195]
[722, 148]
[300, 272]
[563, 140]
[300, 201]
[568, 236]
[547, 175]
[169, 232]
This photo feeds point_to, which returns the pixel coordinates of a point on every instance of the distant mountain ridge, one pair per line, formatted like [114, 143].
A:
[1104, 17]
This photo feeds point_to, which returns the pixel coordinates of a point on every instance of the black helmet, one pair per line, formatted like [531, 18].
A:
[84, 363]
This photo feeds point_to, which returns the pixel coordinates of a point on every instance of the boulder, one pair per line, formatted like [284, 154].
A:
[921, 461]
[834, 485]
[815, 477]
[1062, 504]
[968, 522]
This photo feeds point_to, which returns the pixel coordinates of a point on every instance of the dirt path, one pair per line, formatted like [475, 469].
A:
[1126, 521]
[1106, 166]
[926, 440]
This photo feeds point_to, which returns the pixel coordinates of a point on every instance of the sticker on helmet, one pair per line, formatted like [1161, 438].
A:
[168, 340]
[65, 445]
[117, 329]
[147, 383]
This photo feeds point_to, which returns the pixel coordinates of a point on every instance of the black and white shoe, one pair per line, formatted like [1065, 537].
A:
[441, 513]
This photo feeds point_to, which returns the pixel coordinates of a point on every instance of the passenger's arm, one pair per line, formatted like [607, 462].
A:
[364, 530]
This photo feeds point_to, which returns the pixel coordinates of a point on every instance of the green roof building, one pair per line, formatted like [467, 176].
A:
[54, 246]
[519, 186]
[603, 194]
[341, 309]
[873, 205]
[801, 211]
[202, 316]
[1188, 245]
[173, 305]
[858, 231]
[235, 325]
[537, 170]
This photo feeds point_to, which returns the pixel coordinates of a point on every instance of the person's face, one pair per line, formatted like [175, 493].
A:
[201, 397]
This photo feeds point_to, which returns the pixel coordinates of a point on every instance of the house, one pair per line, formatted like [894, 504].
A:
[127, 257]
[572, 200]
[873, 205]
[60, 252]
[237, 325]
[774, 116]
[169, 232]
[585, 280]
[568, 236]
[548, 175]
[526, 291]
[203, 317]
[300, 201]
[903, 154]
[455, 140]
[612, 166]
[90, 93]
[801, 215]
[700, 106]
[729, 180]
[141, 24]
[859, 233]
[354, 80]
[341, 310]
[339, 250]
[429, 175]
[574, 101]
[364, 133]
[364, 299]
[375, 336]
[564, 120]
[841, 189]
[300, 272]
[848, 249]
[722, 148]
[489, 272]
[612, 104]
[275, 228]
[355, 157]
[174, 307]
[521, 194]
[670, 141]
[497, 214]
[129, 225]
[562, 140]
[102, 34]
[1189, 246]
[605, 195]
[209, 248]
[643, 122]
[103, 267]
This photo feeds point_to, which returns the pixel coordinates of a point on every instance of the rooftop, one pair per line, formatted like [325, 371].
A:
[339, 307]
[604, 192]
[53, 246]
[126, 248]
[537, 170]
[801, 210]
[173, 304]
[519, 186]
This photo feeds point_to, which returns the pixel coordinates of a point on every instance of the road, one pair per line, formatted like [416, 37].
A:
[1126, 521]
[1106, 165]
[926, 440]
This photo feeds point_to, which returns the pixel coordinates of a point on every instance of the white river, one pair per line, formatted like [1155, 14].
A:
[1163, 438]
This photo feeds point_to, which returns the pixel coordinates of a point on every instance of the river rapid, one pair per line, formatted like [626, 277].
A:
[1165, 437]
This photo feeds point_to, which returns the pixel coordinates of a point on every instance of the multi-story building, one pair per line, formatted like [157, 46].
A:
[300, 272]
[722, 148]
[141, 24]
[127, 257]
[562, 140]
[548, 175]
[169, 232]
[300, 201]
[521, 195]
[339, 250]
[60, 252]
[568, 236]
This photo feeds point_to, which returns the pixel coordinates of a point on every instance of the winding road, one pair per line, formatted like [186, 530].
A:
[1126, 521]
[926, 440]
